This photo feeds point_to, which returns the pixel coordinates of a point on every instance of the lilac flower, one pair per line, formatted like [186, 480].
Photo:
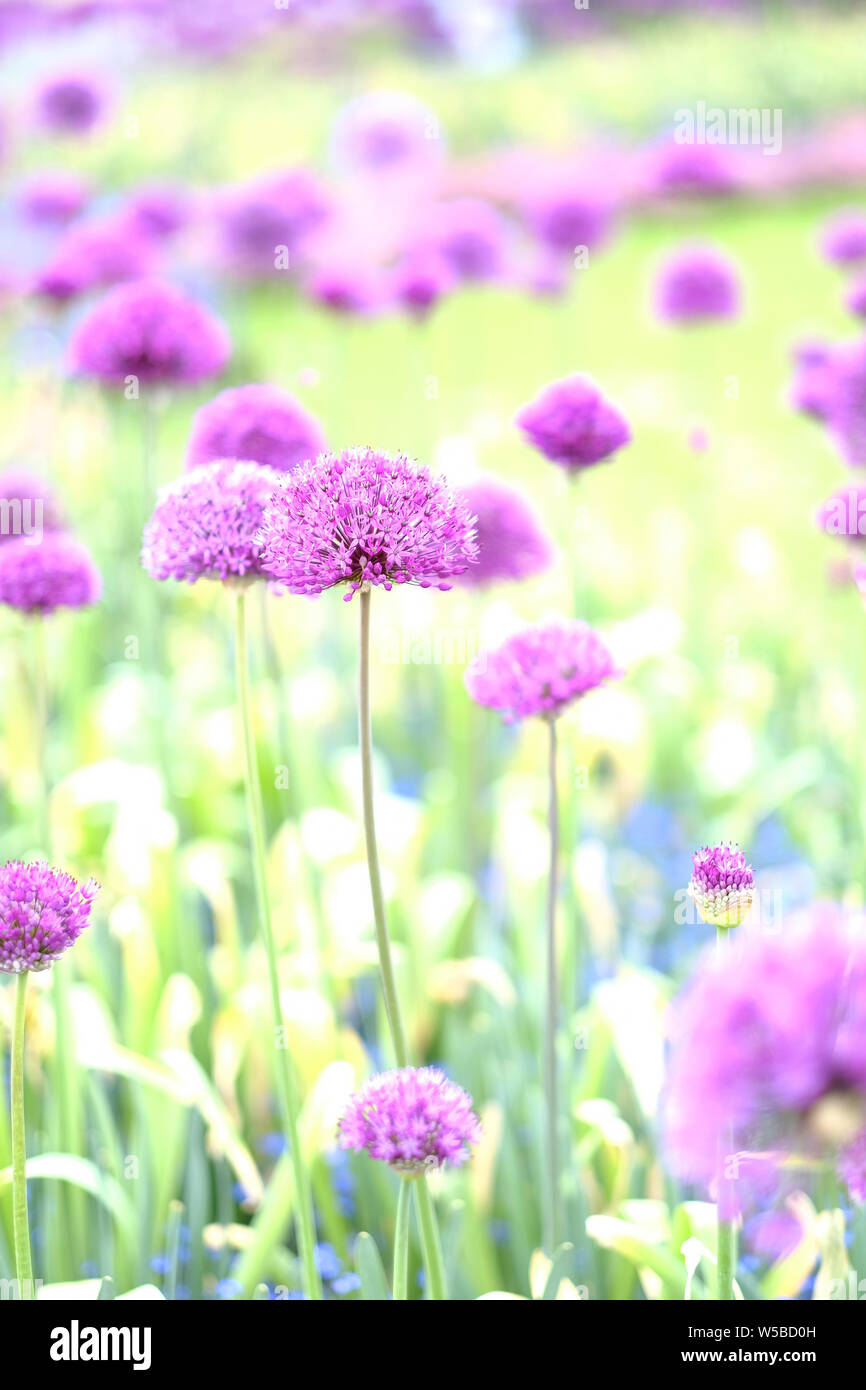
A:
[27, 505]
[852, 1167]
[722, 885]
[421, 279]
[511, 541]
[42, 912]
[259, 423]
[153, 331]
[843, 238]
[844, 513]
[540, 670]
[71, 103]
[257, 218]
[52, 197]
[472, 236]
[572, 424]
[96, 252]
[769, 1038]
[698, 283]
[365, 517]
[206, 523]
[414, 1119]
[55, 572]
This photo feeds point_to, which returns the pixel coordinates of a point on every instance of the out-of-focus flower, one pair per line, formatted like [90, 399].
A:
[572, 424]
[722, 885]
[420, 280]
[263, 222]
[386, 132]
[511, 541]
[158, 210]
[540, 670]
[52, 197]
[691, 170]
[413, 1119]
[852, 1167]
[96, 252]
[855, 297]
[345, 287]
[472, 236]
[42, 912]
[27, 505]
[259, 423]
[41, 576]
[697, 283]
[206, 523]
[565, 219]
[843, 238]
[812, 386]
[846, 401]
[153, 331]
[71, 103]
[365, 517]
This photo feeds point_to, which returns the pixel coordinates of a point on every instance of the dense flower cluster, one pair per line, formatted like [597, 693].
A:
[39, 576]
[511, 541]
[259, 423]
[42, 912]
[152, 331]
[540, 670]
[365, 517]
[414, 1119]
[572, 424]
[206, 523]
[722, 885]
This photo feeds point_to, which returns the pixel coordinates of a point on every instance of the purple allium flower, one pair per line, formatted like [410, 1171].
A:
[855, 297]
[385, 131]
[846, 401]
[365, 517]
[52, 197]
[150, 330]
[256, 219]
[811, 390]
[691, 170]
[414, 1119]
[27, 505]
[843, 238]
[421, 279]
[206, 523]
[345, 288]
[722, 885]
[844, 513]
[572, 424]
[540, 670]
[42, 912]
[54, 572]
[159, 209]
[93, 253]
[698, 283]
[511, 541]
[852, 1167]
[769, 1039]
[564, 219]
[258, 423]
[71, 103]
[472, 236]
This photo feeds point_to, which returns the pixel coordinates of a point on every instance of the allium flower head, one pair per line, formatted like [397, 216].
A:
[511, 541]
[71, 103]
[206, 523]
[812, 386]
[365, 517]
[380, 132]
[414, 1119]
[565, 218]
[94, 253]
[471, 234]
[540, 670]
[257, 218]
[28, 506]
[572, 424]
[42, 912]
[159, 209]
[698, 283]
[846, 401]
[52, 197]
[722, 885]
[769, 1039]
[852, 1167]
[54, 572]
[153, 331]
[843, 238]
[421, 279]
[259, 423]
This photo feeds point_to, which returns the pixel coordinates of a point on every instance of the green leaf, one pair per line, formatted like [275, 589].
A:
[80, 1172]
[559, 1270]
[368, 1263]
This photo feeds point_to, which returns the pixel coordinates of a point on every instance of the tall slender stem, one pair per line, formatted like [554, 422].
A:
[286, 1083]
[400, 1282]
[726, 1238]
[433, 1261]
[20, 1222]
[551, 1166]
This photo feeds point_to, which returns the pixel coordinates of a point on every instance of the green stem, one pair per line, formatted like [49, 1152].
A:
[423, 1202]
[20, 1223]
[401, 1243]
[551, 1166]
[286, 1084]
[726, 1238]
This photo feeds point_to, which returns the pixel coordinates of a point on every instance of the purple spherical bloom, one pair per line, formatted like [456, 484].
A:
[769, 1041]
[855, 297]
[844, 513]
[52, 197]
[27, 505]
[71, 103]
[153, 331]
[263, 220]
[852, 1167]
[511, 541]
[365, 517]
[540, 670]
[413, 1119]
[206, 523]
[420, 280]
[42, 912]
[159, 209]
[472, 236]
[566, 219]
[722, 885]
[39, 576]
[846, 401]
[259, 423]
[93, 253]
[843, 238]
[698, 283]
[572, 424]
[812, 386]
[691, 170]
[345, 288]
[380, 132]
